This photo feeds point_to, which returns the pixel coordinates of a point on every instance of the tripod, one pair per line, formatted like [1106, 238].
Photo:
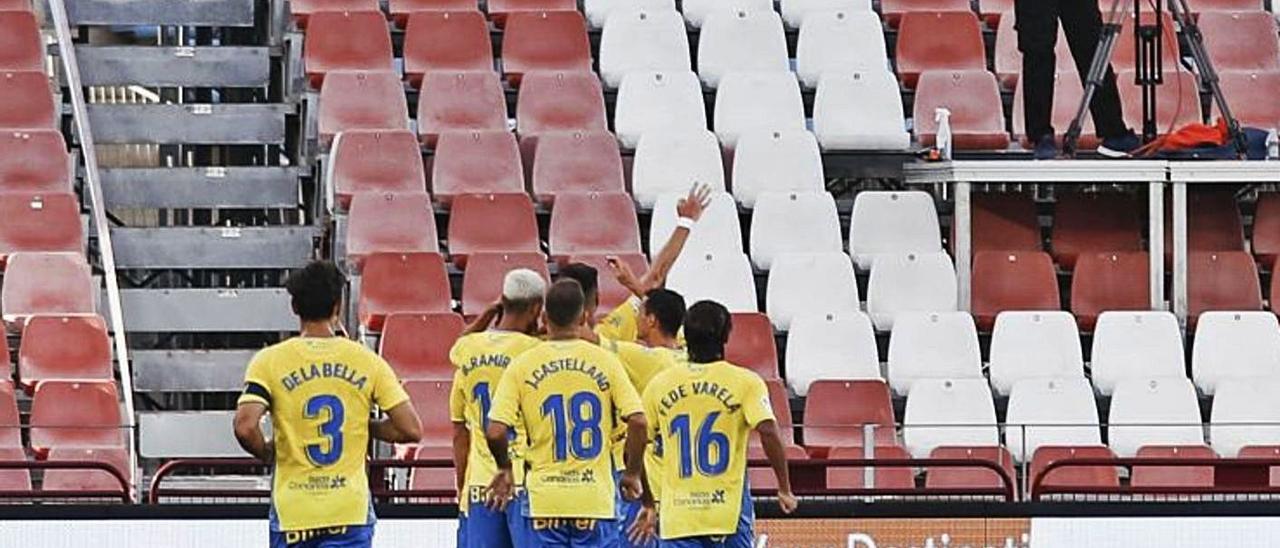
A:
[1150, 69]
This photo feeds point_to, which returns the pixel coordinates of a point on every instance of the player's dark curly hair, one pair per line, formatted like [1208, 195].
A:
[667, 307]
[316, 290]
[706, 331]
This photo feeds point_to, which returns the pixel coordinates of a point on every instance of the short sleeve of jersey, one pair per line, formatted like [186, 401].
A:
[625, 398]
[457, 399]
[650, 400]
[387, 391]
[755, 406]
[257, 387]
[506, 399]
[620, 324]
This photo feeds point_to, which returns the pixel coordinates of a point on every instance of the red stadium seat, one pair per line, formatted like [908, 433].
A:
[88, 479]
[417, 345]
[1073, 476]
[545, 41]
[560, 101]
[1125, 56]
[845, 477]
[1221, 280]
[40, 222]
[1201, 6]
[439, 479]
[1007, 280]
[14, 479]
[26, 102]
[893, 10]
[1004, 221]
[599, 223]
[1266, 227]
[1177, 100]
[1174, 476]
[10, 425]
[431, 399]
[500, 9]
[1067, 94]
[460, 101]
[973, 97]
[1263, 452]
[472, 228]
[993, 11]
[941, 41]
[476, 162]
[836, 412]
[446, 41]
[970, 478]
[1109, 281]
[302, 10]
[1095, 222]
[610, 291]
[1241, 40]
[395, 282]
[374, 161]
[75, 414]
[401, 10]
[1249, 94]
[46, 283]
[361, 100]
[1213, 223]
[21, 46]
[15, 5]
[34, 161]
[761, 479]
[576, 162]
[64, 348]
[345, 40]
[482, 282]
[751, 344]
[390, 223]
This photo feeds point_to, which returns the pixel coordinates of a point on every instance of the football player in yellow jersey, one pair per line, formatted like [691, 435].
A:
[702, 416]
[565, 392]
[320, 390]
[480, 360]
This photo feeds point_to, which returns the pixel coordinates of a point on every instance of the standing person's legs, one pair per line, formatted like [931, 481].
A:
[1082, 23]
[1037, 25]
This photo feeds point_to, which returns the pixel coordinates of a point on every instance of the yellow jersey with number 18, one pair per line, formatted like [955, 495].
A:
[320, 392]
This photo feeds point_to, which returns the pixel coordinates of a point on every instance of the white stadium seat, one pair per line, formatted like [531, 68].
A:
[860, 111]
[892, 222]
[910, 282]
[724, 278]
[717, 232]
[1033, 345]
[838, 346]
[757, 101]
[949, 412]
[794, 12]
[1245, 412]
[642, 40]
[697, 11]
[777, 161]
[935, 345]
[1153, 411]
[673, 162]
[1135, 345]
[741, 41]
[598, 11]
[793, 222]
[1038, 406]
[795, 276]
[1234, 345]
[839, 42]
[658, 101]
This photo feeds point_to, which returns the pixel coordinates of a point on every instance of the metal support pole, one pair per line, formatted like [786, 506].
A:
[1179, 244]
[963, 244]
[1155, 211]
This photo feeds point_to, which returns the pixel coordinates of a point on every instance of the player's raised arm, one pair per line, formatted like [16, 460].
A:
[689, 211]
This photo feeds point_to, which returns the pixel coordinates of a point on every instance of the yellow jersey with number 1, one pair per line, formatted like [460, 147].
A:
[642, 364]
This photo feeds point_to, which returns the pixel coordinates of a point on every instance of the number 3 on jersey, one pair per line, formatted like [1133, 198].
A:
[712, 448]
[330, 406]
[576, 429]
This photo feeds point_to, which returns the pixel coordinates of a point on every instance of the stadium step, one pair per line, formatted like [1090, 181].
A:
[214, 247]
[190, 370]
[195, 13]
[206, 124]
[199, 66]
[184, 187]
[207, 310]
[186, 434]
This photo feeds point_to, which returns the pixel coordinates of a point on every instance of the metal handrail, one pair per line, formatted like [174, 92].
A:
[124, 493]
[1038, 488]
[1009, 490]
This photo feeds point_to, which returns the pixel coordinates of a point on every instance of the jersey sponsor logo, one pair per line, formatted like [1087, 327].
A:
[699, 498]
[304, 374]
[542, 524]
[479, 494]
[546, 370]
[319, 483]
[573, 477]
[295, 537]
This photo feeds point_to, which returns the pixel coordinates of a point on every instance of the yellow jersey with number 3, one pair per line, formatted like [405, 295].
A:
[566, 393]
[701, 417]
[321, 393]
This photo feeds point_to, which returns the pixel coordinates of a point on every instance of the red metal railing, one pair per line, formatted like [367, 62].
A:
[1233, 476]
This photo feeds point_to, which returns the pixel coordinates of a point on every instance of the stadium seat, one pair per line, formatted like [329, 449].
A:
[1266, 226]
[1033, 345]
[417, 345]
[1177, 100]
[476, 162]
[87, 479]
[1201, 6]
[598, 11]
[1213, 223]
[658, 101]
[718, 231]
[643, 40]
[859, 110]
[1263, 452]
[500, 9]
[603, 223]
[1163, 411]
[1003, 221]
[26, 101]
[836, 413]
[697, 11]
[1009, 280]
[776, 162]
[1135, 345]
[1246, 94]
[1095, 222]
[1241, 40]
[993, 11]
[46, 283]
[10, 425]
[845, 42]
[345, 41]
[790, 293]
[834, 345]
[40, 222]
[1173, 476]
[34, 161]
[446, 41]
[374, 161]
[67, 413]
[553, 41]
[793, 222]
[1245, 412]
[933, 345]
[21, 46]
[741, 41]
[751, 344]
[1221, 280]
[1125, 57]
[442, 479]
[940, 477]
[611, 293]
[725, 278]
[1051, 412]
[1078, 477]
[943, 42]
[472, 230]
[1067, 94]
[402, 9]
[949, 412]
[390, 223]
[431, 399]
[15, 5]
[894, 10]
[401, 282]
[361, 100]
[910, 282]
[1234, 345]
[64, 348]
[303, 9]
[482, 282]
[885, 222]
[1109, 281]
[14, 479]
[761, 479]
[846, 477]
[973, 97]
[460, 101]
[748, 102]
[673, 162]
[794, 12]
[577, 162]
[560, 101]
[1007, 60]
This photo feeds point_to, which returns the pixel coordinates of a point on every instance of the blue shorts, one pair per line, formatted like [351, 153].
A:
[485, 528]
[571, 533]
[354, 536]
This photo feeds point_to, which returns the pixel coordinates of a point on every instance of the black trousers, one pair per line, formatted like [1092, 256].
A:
[1037, 25]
